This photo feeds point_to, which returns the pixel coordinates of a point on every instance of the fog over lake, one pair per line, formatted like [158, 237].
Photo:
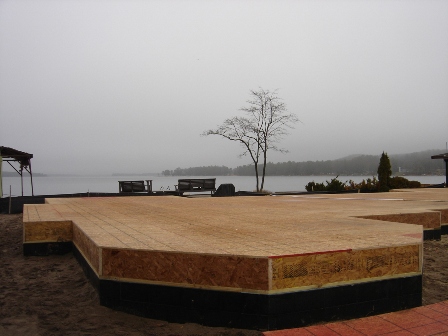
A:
[98, 87]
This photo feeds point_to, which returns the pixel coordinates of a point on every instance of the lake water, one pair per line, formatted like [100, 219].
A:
[49, 185]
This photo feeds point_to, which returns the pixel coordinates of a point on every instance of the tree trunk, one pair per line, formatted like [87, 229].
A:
[256, 174]
[264, 169]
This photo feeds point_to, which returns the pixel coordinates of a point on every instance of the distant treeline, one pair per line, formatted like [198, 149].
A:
[200, 171]
[25, 173]
[135, 174]
[418, 163]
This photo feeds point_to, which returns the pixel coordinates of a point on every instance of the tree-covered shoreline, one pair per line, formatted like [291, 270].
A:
[418, 163]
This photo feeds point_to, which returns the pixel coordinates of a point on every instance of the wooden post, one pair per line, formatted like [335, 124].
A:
[446, 173]
[445, 158]
[10, 199]
[31, 176]
[149, 185]
[21, 177]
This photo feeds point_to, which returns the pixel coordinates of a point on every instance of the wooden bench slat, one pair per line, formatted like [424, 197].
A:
[135, 186]
[196, 185]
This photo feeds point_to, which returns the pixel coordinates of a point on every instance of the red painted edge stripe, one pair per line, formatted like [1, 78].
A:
[305, 254]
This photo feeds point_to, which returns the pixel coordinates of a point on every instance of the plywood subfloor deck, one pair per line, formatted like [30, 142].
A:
[254, 234]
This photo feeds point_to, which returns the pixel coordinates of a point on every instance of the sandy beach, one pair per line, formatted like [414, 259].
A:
[51, 295]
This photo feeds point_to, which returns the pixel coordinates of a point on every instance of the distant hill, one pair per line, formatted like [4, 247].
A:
[353, 156]
[418, 163]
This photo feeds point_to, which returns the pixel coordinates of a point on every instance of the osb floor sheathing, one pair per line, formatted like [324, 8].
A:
[236, 229]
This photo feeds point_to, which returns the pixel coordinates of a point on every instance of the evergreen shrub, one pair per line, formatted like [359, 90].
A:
[399, 182]
[365, 186]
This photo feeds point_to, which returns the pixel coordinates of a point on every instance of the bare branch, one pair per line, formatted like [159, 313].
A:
[267, 122]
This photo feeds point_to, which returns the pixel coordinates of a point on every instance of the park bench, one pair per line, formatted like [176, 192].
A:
[135, 186]
[196, 185]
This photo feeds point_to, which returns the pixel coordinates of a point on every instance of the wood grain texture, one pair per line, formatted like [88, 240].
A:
[189, 269]
[344, 266]
[443, 215]
[88, 248]
[53, 231]
[429, 220]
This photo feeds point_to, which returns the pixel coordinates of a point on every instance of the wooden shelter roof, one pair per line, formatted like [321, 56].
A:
[9, 154]
[440, 156]
[16, 155]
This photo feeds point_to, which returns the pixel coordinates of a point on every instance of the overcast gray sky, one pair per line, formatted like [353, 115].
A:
[129, 86]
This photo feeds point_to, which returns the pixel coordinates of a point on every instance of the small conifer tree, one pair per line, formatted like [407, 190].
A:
[384, 173]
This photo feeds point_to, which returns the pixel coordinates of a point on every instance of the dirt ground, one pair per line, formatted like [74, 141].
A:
[52, 296]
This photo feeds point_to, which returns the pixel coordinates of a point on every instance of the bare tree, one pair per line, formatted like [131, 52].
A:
[267, 122]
